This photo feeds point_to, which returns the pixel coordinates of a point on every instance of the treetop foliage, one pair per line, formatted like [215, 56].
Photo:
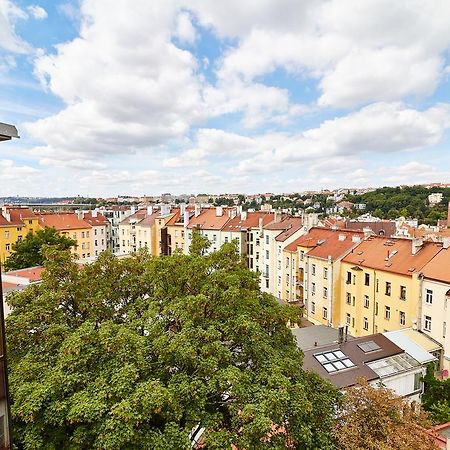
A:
[28, 252]
[134, 353]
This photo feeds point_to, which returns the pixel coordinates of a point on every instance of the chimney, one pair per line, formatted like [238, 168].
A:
[165, 209]
[182, 209]
[149, 210]
[233, 213]
[133, 210]
[356, 238]
[244, 215]
[277, 217]
[219, 211]
[197, 210]
[446, 242]
[416, 245]
[94, 213]
[340, 335]
[185, 218]
[260, 223]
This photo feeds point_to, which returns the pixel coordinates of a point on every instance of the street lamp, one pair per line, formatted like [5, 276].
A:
[7, 132]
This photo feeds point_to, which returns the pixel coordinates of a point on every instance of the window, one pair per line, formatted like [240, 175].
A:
[95, 243]
[214, 237]
[366, 323]
[325, 292]
[325, 273]
[257, 242]
[279, 265]
[82, 234]
[353, 322]
[8, 247]
[313, 308]
[102, 230]
[444, 329]
[387, 312]
[313, 269]
[348, 298]
[366, 301]
[429, 297]
[402, 292]
[123, 243]
[95, 231]
[257, 256]
[402, 318]
[30, 222]
[388, 288]
[354, 279]
[347, 319]
[287, 262]
[287, 279]
[103, 242]
[302, 255]
[427, 326]
[6, 234]
[367, 279]
[376, 308]
[353, 301]
[324, 313]
[267, 254]
[226, 239]
[267, 283]
[279, 281]
[349, 278]
[267, 238]
[279, 249]
[313, 288]
[418, 381]
[376, 285]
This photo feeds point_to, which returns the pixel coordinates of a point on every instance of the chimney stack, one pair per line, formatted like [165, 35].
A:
[149, 210]
[219, 211]
[197, 210]
[244, 215]
[182, 208]
[416, 245]
[448, 215]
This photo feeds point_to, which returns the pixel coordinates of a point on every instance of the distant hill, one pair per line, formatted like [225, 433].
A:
[407, 201]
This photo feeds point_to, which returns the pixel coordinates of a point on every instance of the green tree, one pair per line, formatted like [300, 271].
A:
[28, 252]
[134, 353]
[436, 396]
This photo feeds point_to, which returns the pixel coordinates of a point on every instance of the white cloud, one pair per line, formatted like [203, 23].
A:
[185, 31]
[38, 12]
[9, 40]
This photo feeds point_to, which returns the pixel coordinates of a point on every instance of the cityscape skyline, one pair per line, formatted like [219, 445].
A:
[192, 98]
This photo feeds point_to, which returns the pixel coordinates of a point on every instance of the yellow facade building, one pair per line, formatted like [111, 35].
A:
[68, 224]
[380, 284]
[15, 224]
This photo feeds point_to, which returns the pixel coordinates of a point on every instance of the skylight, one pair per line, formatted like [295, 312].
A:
[369, 346]
[334, 361]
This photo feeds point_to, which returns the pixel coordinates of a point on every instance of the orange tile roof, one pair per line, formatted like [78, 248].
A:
[392, 255]
[32, 273]
[4, 222]
[149, 219]
[176, 215]
[252, 221]
[98, 220]
[137, 216]
[309, 239]
[336, 244]
[207, 219]
[18, 214]
[439, 267]
[63, 221]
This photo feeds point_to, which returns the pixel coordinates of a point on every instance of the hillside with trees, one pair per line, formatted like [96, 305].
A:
[406, 201]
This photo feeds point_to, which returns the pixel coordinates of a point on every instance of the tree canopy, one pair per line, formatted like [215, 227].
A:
[28, 251]
[374, 418]
[436, 397]
[134, 353]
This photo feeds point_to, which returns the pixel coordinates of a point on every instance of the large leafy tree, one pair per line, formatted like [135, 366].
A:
[436, 398]
[28, 252]
[135, 353]
[374, 418]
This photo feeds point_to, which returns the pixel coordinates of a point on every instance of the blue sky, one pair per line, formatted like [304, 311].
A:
[189, 96]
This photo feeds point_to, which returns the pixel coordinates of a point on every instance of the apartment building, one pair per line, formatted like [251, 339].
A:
[135, 231]
[319, 271]
[115, 215]
[209, 222]
[380, 284]
[175, 229]
[101, 231]
[246, 229]
[15, 224]
[276, 236]
[435, 307]
[68, 224]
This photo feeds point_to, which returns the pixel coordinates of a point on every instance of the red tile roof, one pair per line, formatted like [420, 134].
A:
[32, 273]
[136, 217]
[208, 220]
[439, 267]
[336, 245]
[98, 220]
[64, 221]
[289, 225]
[392, 255]
[252, 221]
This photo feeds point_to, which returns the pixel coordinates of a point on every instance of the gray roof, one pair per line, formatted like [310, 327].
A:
[7, 131]
[316, 336]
